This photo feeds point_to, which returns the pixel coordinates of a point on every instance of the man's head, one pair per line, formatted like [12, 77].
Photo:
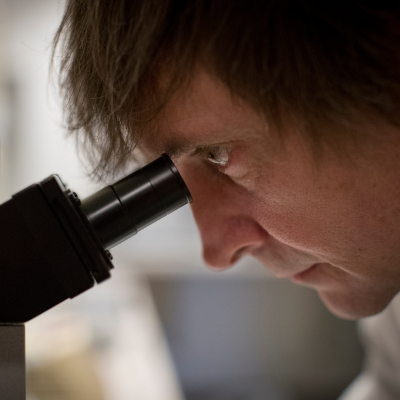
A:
[281, 115]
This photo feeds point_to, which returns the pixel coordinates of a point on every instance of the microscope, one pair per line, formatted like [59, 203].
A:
[54, 246]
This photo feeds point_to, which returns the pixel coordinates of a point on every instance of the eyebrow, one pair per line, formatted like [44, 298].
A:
[177, 146]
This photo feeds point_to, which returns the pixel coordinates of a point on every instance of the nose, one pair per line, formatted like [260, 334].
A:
[223, 214]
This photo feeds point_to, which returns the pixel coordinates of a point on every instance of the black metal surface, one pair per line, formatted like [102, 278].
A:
[54, 247]
[66, 207]
[119, 211]
[29, 285]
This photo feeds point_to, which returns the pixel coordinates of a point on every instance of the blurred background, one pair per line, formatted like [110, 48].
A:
[164, 327]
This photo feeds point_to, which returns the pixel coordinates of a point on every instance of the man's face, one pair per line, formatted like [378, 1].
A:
[332, 226]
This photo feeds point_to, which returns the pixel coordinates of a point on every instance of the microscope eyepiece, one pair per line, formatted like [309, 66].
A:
[121, 210]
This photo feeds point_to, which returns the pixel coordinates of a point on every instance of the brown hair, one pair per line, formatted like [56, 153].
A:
[321, 62]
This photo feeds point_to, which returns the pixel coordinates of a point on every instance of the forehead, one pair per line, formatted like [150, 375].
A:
[204, 113]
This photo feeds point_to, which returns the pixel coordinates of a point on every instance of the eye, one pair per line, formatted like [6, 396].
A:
[217, 155]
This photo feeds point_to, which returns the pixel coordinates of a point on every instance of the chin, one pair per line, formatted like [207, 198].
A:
[352, 306]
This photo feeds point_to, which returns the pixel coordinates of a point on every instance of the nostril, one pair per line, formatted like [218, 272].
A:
[239, 254]
[236, 257]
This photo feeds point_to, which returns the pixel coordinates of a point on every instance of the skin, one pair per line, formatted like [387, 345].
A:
[332, 226]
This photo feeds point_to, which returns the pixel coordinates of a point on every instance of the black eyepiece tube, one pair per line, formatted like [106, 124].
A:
[119, 211]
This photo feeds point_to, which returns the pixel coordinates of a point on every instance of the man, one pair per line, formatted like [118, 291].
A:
[282, 116]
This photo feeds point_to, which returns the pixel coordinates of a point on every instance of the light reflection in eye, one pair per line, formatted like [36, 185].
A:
[217, 155]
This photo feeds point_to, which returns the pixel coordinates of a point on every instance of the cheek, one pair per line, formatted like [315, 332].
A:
[306, 217]
[339, 221]
[295, 229]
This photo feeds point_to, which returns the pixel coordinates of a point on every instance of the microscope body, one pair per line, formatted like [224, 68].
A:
[48, 253]
[54, 247]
